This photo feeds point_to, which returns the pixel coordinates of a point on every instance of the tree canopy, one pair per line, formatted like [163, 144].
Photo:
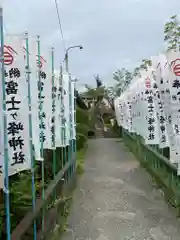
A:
[122, 77]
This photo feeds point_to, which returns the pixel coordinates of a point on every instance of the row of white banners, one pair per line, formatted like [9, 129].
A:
[150, 106]
[52, 104]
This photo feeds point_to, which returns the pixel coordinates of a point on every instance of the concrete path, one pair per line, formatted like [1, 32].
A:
[116, 200]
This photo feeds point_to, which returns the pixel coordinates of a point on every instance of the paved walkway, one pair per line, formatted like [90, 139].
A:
[116, 199]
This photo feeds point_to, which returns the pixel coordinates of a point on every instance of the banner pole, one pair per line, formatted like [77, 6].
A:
[30, 131]
[41, 124]
[53, 117]
[61, 117]
[74, 140]
[70, 125]
[62, 121]
[6, 156]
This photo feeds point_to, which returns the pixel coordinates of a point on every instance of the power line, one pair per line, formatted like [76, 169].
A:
[60, 25]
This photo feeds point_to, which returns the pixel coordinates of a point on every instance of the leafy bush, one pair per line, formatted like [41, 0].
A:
[82, 127]
[82, 116]
[20, 184]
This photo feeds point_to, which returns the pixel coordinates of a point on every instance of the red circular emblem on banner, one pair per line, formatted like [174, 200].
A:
[8, 55]
[175, 65]
[148, 82]
[40, 62]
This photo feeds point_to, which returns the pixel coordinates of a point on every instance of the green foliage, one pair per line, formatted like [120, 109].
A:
[61, 225]
[83, 125]
[82, 128]
[20, 184]
[20, 195]
[98, 93]
[136, 72]
[81, 140]
[81, 116]
[20, 200]
[122, 78]
[119, 77]
[94, 93]
[145, 64]
[172, 33]
[80, 160]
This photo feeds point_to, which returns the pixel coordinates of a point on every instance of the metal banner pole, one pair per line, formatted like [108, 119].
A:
[30, 132]
[6, 157]
[53, 116]
[40, 85]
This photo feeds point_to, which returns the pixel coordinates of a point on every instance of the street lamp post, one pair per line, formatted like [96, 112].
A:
[72, 150]
[66, 55]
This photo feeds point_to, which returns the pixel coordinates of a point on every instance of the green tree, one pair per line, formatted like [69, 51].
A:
[172, 33]
[110, 94]
[96, 93]
[145, 63]
[136, 72]
[122, 79]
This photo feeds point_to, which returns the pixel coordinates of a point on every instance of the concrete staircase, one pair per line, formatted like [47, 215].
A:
[99, 132]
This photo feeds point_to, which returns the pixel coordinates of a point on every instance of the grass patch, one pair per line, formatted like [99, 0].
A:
[80, 160]
[61, 226]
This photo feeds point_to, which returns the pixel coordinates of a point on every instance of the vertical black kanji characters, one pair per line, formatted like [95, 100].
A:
[150, 99]
[162, 127]
[14, 73]
[13, 103]
[151, 128]
[18, 157]
[174, 97]
[151, 136]
[162, 119]
[169, 119]
[14, 128]
[176, 84]
[42, 75]
[54, 92]
[163, 138]
[176, 128]
[42, 137]
[151, 119]
[41, 97]
[42, 125]
[150, 108]
[11, 87]
[15, 142]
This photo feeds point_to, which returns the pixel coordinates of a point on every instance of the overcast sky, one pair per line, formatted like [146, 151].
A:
[114, 33]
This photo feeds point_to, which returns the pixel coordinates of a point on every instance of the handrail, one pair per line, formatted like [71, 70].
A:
[164, 159]
[26, 222]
